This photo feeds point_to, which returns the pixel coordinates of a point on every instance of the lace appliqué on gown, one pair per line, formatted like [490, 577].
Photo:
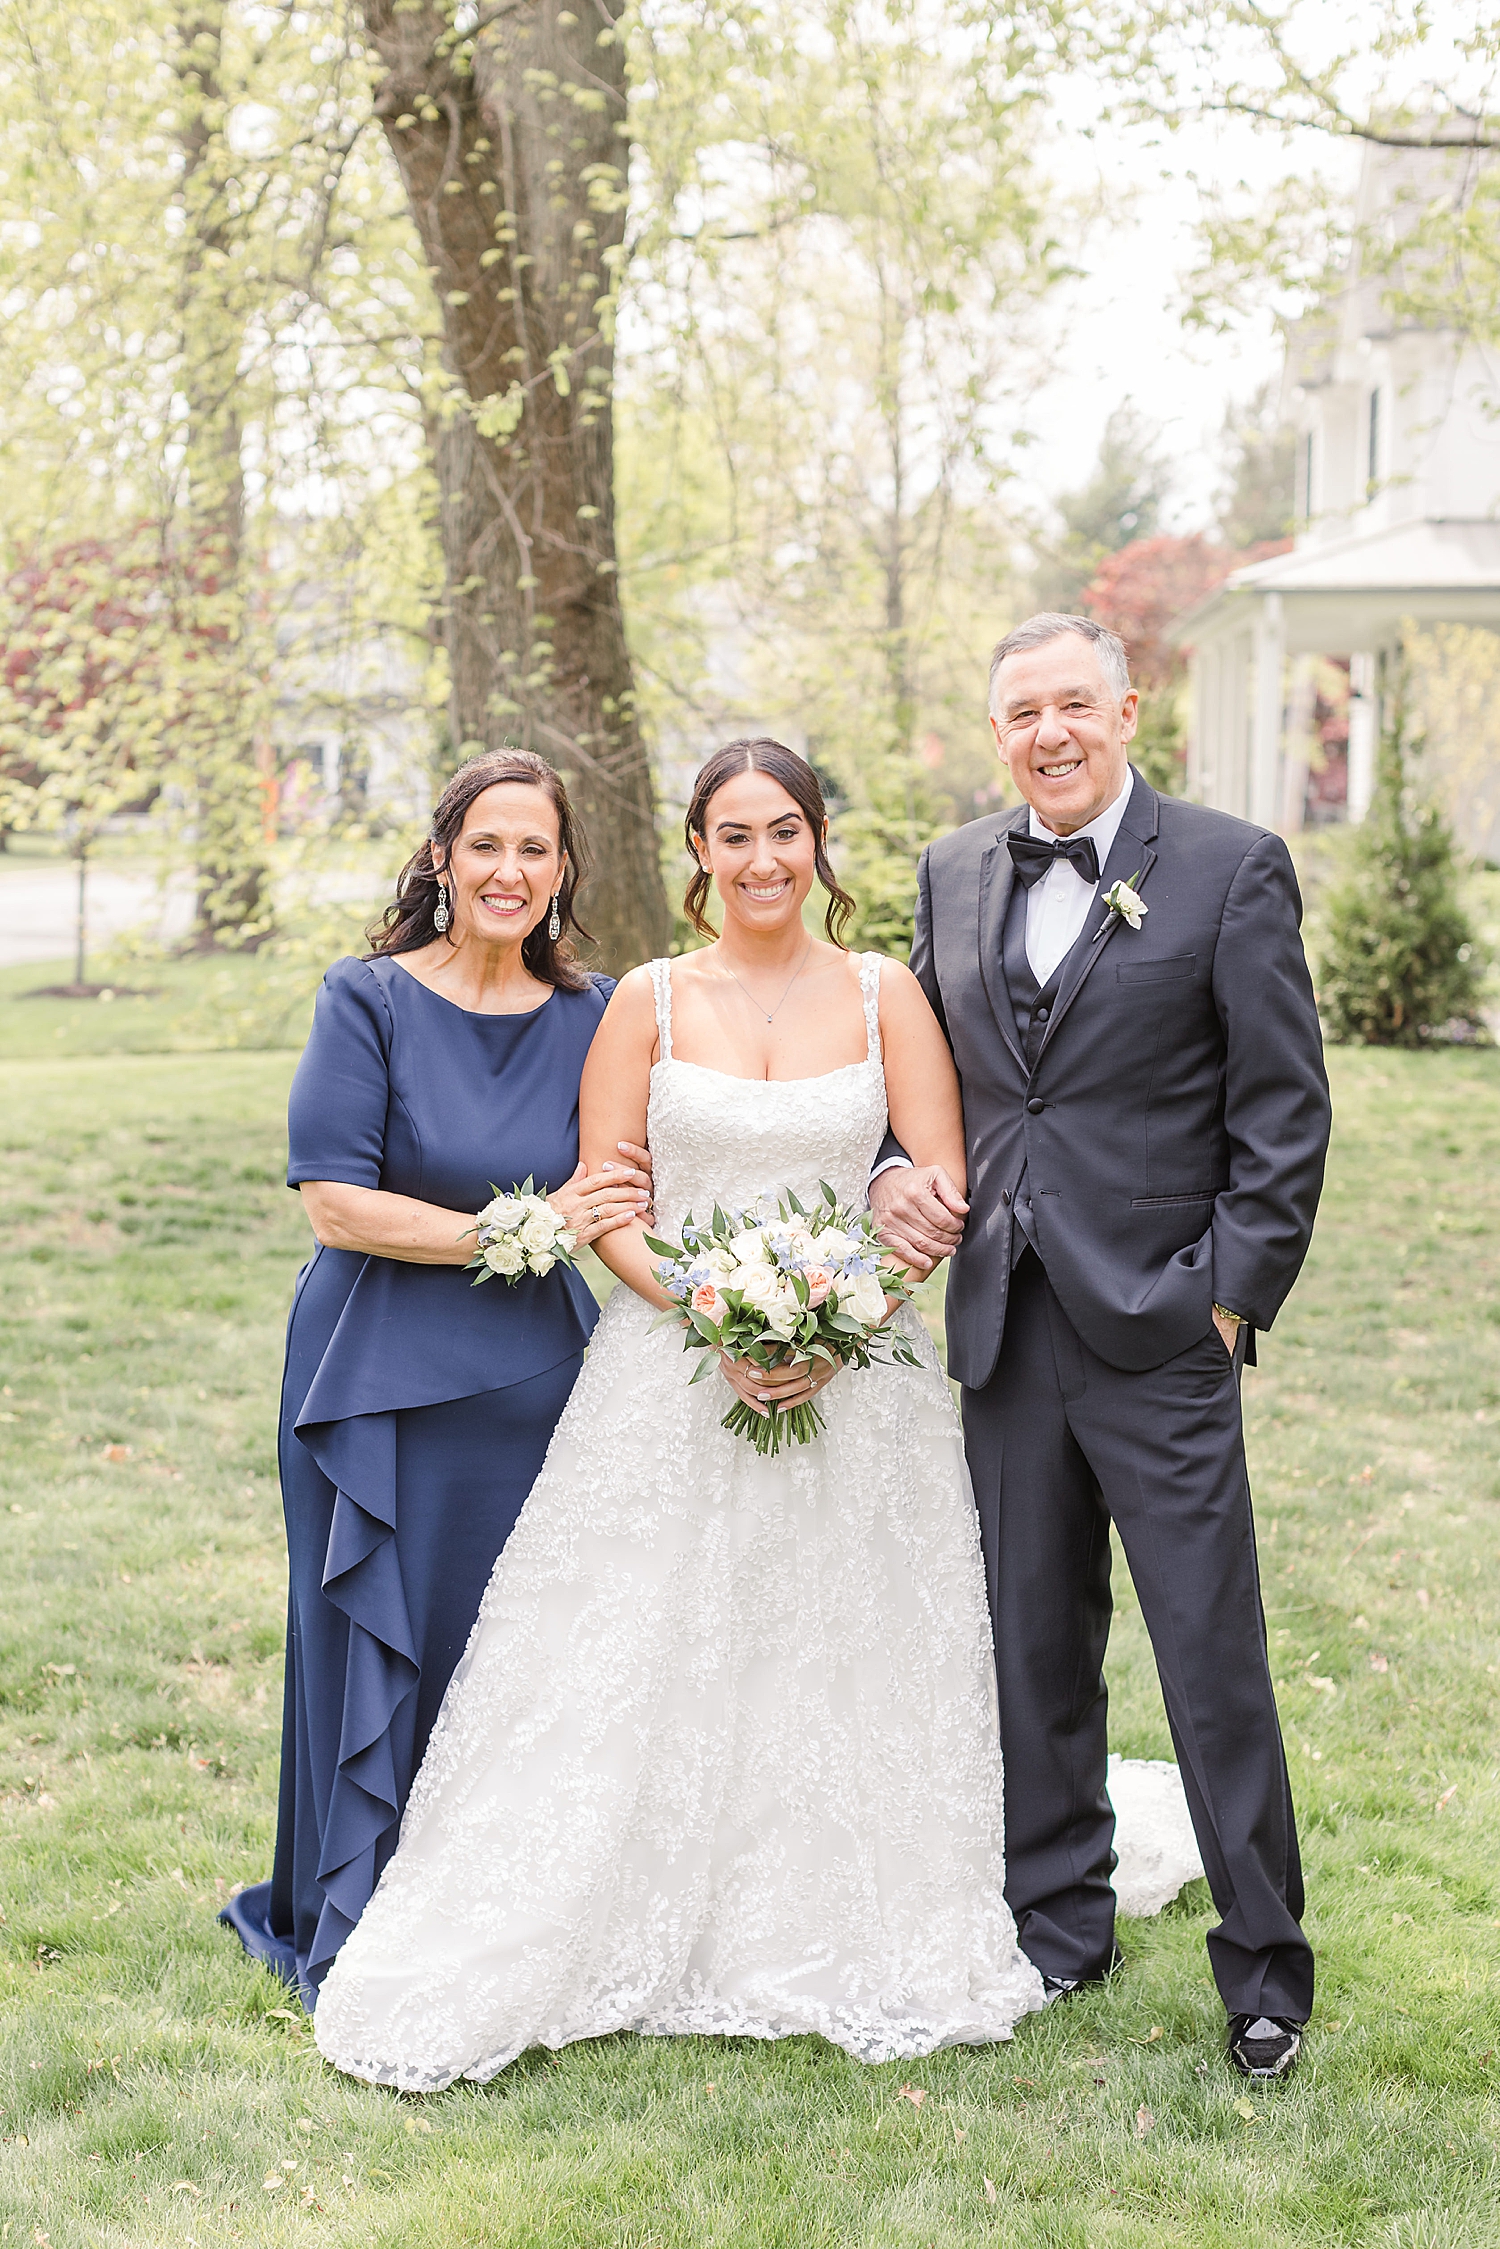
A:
[722, 1754]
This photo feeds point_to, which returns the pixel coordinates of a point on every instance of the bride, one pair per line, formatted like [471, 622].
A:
[722, 1755]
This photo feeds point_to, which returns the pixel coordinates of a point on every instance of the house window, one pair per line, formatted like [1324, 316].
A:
[1372, 466]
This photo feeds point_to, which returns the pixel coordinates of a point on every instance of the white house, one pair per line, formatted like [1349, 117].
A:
[1398, 517]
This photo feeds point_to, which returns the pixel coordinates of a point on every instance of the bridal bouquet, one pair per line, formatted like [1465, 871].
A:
[778, 1282]
[519, 1233]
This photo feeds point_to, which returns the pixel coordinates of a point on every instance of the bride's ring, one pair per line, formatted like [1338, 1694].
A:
[597, 1215]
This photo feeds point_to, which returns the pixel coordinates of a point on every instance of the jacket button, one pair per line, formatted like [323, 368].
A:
[1034, 1107]
[1043, 1014]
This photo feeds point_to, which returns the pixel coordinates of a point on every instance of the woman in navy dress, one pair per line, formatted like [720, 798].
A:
[416, 1409]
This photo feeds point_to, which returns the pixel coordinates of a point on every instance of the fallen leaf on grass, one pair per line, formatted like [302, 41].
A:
[959, 2136]
[1144, 2122]
[272, 2181]
[989, 2191]
[282, 2015]
[913, 2093]
[1447, 1797]
[115, 1452]
[1246, 2109]
[1151, 2036]
[1379, 1662]
[185, 2186]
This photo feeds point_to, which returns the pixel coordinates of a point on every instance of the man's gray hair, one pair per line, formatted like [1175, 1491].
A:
[1051, 624]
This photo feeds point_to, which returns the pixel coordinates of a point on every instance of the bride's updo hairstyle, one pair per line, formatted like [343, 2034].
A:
[800, 782]
[407, 921]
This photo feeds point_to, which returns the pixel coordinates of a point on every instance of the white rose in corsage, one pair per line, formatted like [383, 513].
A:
[539, 1231]
[777, 1284]
[519, 1233]
[1128, 903]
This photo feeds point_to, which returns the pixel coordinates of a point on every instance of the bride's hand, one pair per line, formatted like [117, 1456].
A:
[595, 1203]
[765, 1388]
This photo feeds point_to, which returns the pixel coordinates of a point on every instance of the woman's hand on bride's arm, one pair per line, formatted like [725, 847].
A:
[763, 1388]
[598, 1202]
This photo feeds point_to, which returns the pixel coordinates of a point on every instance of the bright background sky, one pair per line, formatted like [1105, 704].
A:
[1119, 333]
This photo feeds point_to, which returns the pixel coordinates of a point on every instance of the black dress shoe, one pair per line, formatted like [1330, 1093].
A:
[1264, 2046]
[1059, 1987]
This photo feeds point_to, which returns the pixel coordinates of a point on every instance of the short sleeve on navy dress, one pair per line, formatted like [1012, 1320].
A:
[337, 1111]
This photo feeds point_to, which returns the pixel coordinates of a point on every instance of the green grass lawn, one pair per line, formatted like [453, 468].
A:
[156, 2088]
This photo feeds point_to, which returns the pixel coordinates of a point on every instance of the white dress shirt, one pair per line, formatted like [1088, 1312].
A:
[1057, 907]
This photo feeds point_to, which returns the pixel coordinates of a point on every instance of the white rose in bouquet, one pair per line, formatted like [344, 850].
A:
[830, 1246]
[542, 1265]
[720, 1261]
[757, 1284]
[539, 1232]
[748, 1248]
[863, 1298]
[507, 1258]
[505, 1211]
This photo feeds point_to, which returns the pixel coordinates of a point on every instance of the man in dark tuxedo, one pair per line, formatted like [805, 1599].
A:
[1122, 982]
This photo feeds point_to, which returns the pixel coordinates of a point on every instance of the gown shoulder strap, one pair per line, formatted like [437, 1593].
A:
[869, 984]
[661, 985]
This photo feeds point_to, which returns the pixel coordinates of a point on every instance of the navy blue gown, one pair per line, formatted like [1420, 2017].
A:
[416, 1410]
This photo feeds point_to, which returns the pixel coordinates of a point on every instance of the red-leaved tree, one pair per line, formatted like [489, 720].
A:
[1140, 592]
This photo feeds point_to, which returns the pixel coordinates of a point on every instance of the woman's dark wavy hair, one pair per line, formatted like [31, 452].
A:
[800, 782]
[407, 921]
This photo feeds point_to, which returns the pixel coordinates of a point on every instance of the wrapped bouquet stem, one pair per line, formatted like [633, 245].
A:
[777, 1283]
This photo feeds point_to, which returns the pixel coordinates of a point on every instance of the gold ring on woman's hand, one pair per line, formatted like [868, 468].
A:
[597, 1216]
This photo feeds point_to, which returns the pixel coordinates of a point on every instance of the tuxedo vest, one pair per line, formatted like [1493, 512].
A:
[1032, 1004]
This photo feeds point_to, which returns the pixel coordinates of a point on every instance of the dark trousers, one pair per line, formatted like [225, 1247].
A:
[1059, 1445]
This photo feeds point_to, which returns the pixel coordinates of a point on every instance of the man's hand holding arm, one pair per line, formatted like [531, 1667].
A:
[918, 1209]
[920, 1214]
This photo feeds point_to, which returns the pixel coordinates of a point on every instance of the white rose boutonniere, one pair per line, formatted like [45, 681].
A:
[1121, 899]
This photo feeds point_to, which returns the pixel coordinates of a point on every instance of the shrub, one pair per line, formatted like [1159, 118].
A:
[1400, 964]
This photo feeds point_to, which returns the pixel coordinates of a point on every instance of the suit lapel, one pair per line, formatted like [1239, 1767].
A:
[996, 875]
[1132, 854]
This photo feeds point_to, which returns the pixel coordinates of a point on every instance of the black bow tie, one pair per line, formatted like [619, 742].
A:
[1033, 858]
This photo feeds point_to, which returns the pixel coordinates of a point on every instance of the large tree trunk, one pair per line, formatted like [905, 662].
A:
[508, 144]
[219, 725]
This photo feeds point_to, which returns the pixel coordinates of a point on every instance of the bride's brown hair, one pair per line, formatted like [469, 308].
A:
[800, 782]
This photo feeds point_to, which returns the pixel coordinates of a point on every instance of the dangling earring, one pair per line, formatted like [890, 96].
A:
[440, 914]
[554, 926]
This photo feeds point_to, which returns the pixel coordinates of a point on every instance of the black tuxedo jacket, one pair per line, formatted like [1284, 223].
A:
[1174, 1125]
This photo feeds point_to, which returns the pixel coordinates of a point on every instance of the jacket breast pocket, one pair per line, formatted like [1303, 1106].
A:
[1174, 971]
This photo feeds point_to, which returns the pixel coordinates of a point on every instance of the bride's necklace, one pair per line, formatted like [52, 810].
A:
[759, 1005]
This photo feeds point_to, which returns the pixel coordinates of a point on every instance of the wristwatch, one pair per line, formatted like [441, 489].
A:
[1235, 1319]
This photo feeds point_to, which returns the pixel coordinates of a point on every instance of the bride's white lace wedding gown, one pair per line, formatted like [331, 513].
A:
[722, 1754]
